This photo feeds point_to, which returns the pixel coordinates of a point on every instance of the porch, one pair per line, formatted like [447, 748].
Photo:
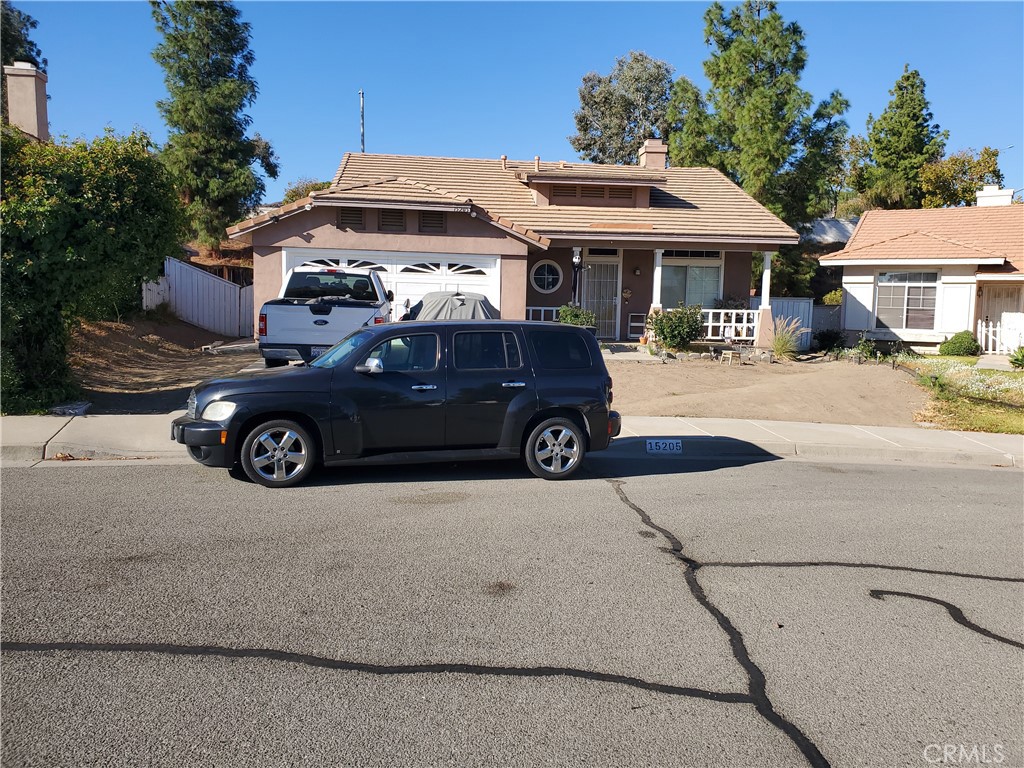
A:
[733, 325]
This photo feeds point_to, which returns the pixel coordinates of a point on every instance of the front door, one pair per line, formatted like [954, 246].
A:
[601, 294]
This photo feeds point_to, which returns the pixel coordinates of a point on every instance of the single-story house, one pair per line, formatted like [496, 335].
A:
[920, 276]
[527, 234]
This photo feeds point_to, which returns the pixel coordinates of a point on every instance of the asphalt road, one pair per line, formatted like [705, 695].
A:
[782, 613]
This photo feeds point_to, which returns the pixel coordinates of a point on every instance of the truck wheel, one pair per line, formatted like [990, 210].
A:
[278, 454]
[274, 362]
[555, 448]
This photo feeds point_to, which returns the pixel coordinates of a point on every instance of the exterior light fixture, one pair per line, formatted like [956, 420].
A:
[637, 271]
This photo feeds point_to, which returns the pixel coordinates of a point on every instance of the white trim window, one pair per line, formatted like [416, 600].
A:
[546, 276]
[905, 300]
[691, 277]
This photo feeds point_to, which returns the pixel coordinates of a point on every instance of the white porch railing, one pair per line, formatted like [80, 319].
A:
[542, 313]
[730, 324]
[719, 324]
[999, 339]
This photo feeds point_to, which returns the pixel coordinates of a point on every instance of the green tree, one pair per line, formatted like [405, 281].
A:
[73, 217]
[301, 188]
[620, 110]
[755, 122]
[900, 143]
[954, 180]
[206, 60]
[16, 45]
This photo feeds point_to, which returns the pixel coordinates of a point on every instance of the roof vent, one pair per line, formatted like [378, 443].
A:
[504, 162]
[536, 163]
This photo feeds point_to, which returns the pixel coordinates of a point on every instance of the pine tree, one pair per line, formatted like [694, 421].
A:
[16, 45]
[206, 59]
[755, 122]
[900, 143]
[620, 110]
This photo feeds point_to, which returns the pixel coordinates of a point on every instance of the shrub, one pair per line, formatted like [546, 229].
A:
[829, 339]
[676, 329]
[833, 298]
[786, 333]
[962, 344]
[865, 347]
[571, 315]
[1017, 358]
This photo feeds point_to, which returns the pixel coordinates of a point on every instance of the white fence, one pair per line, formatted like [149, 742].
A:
[801, 309]
[202, 299]
[1000, 338]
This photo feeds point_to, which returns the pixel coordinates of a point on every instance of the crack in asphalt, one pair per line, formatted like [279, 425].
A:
[376, 669]
[955, 613]
[757, 684]
[839, 564]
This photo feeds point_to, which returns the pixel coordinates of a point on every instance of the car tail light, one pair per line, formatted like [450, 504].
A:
[378, 320]
[609, 390]
[263, 324]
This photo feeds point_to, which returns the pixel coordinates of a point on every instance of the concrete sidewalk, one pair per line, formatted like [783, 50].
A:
[28, 440]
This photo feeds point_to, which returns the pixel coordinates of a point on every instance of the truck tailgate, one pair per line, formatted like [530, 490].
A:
[323, 324]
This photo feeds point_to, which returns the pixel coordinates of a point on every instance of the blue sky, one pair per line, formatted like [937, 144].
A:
[482, 79]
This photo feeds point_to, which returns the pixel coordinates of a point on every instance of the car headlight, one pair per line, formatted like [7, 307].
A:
[219, 410]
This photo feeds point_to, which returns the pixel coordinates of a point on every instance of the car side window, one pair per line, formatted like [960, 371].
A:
[486, 350]
[560, 351]
[407, 353]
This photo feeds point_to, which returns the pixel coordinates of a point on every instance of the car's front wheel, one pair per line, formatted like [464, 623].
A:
[278, 454]
[555, 448]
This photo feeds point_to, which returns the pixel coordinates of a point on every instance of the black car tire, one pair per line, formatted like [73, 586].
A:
[277, 454]
[555, 448]
[274, 362]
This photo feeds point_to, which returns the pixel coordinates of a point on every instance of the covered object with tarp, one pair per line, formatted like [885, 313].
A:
[448, 305]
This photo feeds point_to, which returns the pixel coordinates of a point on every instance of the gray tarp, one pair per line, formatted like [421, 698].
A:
[446, 305]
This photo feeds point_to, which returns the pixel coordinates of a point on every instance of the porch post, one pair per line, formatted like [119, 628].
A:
[765, 326]
[656, 293]
[766, 281]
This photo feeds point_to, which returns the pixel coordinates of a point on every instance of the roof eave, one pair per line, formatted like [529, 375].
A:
[883, 262]
[766, 241]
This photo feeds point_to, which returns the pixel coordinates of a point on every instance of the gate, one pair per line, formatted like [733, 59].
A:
[801, 309]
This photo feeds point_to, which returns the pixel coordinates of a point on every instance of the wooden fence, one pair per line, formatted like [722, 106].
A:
[202, 299]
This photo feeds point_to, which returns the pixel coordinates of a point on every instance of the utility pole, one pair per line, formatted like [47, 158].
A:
[362, 131]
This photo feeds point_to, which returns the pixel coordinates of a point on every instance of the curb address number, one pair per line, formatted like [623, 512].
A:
[674, 445]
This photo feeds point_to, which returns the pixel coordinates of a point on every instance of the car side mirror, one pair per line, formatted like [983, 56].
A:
[391, 295]
[372, 365]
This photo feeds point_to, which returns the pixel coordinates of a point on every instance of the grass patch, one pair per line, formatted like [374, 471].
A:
[971, 399]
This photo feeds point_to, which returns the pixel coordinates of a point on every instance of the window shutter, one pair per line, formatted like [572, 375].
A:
[351, 218]
[432, 221]
[392, 220]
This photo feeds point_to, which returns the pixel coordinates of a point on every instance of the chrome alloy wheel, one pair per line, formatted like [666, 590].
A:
[556, 449]
[278, 454]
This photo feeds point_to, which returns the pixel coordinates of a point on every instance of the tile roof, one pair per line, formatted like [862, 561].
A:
[988, 234]
[691, 203]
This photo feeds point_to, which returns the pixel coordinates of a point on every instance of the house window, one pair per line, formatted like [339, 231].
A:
[351, 218]
[392, 220]
[687, 278]
[432, 221]
[905, 300]
[546, 276]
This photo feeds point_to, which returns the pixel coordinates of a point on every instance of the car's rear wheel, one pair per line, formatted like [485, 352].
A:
[555, 448]
[278, 454]
[274, 362]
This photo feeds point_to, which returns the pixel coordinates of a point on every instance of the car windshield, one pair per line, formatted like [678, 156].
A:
[334, 285]
[341, 351]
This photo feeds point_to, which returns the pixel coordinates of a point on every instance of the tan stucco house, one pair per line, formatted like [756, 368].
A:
[640, 236]
[919, 276]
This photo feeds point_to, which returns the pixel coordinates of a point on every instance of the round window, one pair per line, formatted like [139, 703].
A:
[546, 276]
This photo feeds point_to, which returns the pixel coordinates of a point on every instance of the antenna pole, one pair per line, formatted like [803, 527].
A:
[362, 131]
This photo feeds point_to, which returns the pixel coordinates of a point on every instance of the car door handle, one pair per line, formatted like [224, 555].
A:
[514, 384]
[423, 387]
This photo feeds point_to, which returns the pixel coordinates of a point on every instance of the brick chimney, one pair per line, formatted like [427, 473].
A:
[991, 194]
[654, 155]
[26, 99]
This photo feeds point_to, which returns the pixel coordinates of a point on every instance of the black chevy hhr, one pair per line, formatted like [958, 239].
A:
[412, 392]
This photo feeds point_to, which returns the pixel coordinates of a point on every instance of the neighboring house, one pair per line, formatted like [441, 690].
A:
[919, 276]
[527, 234]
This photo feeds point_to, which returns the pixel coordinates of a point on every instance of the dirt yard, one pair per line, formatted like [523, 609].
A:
[149, 367]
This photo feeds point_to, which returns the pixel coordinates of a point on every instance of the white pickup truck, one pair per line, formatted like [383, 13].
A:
[319, 306]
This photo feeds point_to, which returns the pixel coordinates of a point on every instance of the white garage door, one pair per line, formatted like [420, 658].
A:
[410, 275]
